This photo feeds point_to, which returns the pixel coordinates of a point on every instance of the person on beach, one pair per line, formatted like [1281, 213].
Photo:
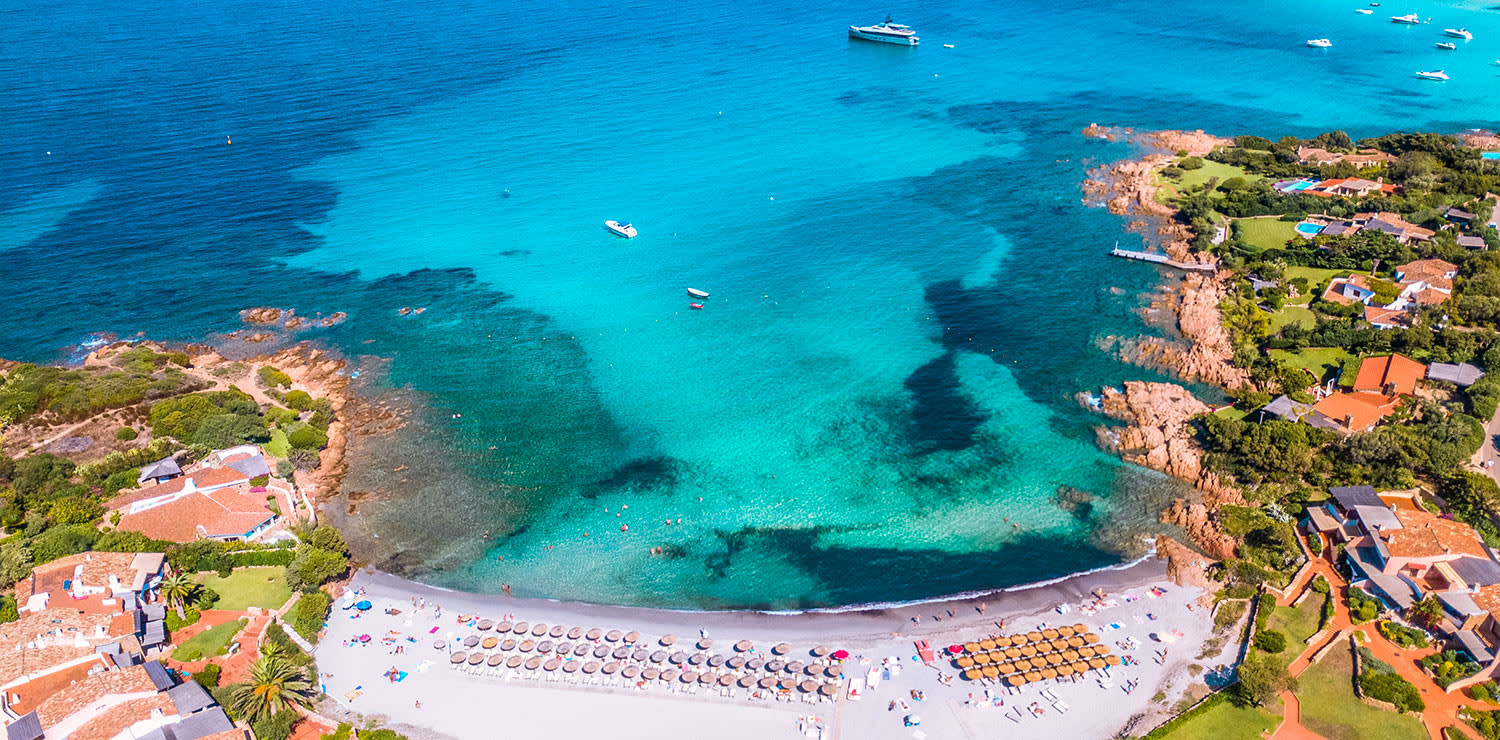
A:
[982, 607]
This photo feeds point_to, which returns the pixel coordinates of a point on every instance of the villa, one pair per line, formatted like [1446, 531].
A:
[1461, 374]
[142, 702]
[218, 501]
[1377, 391]
[1349, 290]
[1392, 224]
[1401, 554]
[1351, 187]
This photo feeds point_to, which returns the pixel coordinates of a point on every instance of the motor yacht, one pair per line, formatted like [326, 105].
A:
[886, 33]
[1319, 43]
[621, 229]
[1439, 75]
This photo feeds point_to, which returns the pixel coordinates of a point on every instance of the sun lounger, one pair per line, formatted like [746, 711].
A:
[1061, 706]
[1050, 696]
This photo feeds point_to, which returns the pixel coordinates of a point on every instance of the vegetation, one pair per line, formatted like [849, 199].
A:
[216, 420]
[322, 557]
[1449, 666]
[1219, 717]
[1407, 637]
[1262, 679]
[310, 613]
[212, 641]
[136, 375]
[1362, 606]
[276, 685]
[247, 587]
[1270, 641]
[208, 676]
[1331, 709]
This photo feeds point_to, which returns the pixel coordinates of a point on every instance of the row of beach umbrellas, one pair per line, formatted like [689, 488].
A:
[557, 632]
[630, 671]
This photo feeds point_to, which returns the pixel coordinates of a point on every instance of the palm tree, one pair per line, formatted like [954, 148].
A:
[178, 590]
[275, 685]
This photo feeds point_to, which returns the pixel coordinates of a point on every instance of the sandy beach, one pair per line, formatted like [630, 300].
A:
[437, 700]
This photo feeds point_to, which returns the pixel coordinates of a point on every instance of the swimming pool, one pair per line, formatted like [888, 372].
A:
[1309, 229]
[1489, 155]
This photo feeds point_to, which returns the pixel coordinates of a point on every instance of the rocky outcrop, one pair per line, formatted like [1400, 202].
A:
[1158, 433]
[1187, 567]
[265, 315]
[1204, 352]
[1198, 522]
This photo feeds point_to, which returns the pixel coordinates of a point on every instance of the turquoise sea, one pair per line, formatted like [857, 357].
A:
[875, 404]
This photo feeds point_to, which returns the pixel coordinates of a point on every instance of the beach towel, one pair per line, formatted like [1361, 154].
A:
[352, 695]
[432, 631]
[400, 676]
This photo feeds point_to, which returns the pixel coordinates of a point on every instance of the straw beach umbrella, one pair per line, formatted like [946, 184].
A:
[833, 671]
[813, 669]
[1097, 663]
[964, 661]
[1112, 659]
[513, 661]
[1054, 658]
[503, 627]
[756, 664]
[539, 630]
[1076, 641]
[551, 664]
[572, 666]
[828, 689]
[534, 661]
[490, 642]
[705, 643]
[471, 640]
[973, 674]
[698, 659]
[484, 625]
[781, 649]
[620, 653]
[1091, 638]
[545, 646]
[688, 676]
[582, 649]
[475, 658]
[743, 646]
[808, 686]
[746, 682]
[659, 656]
[521, 628]
[1049, 673]
[679, 657]
[630, 671]
[987, 644]
[527, 646]
[557, 631]
[1049, 634]
[715, 660]
[458, 657]
[736, 662]
[613, 636]
[591, 667]
[610, 668]
[767, 682]
[651, 674]
[507, 644]
[575, 633]
[1016, 680]
[775, 666]
[564, 648]
[971, 647]
[794, 667]
[1065, 631]
[632, 637]
[1065, 670]
[707, 679]
[1101, 649]
[821, 651]
[601, 651]
[668, 640]
[990, 671]
[594, 633]
[495, 659]
[640, 654]
[788, 683]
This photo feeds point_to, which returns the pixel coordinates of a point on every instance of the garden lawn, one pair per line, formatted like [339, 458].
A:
[1266, 233]
[247, 587]
[1290, 314]
[212, 641]
[1231, 412]
[1297, 623]
[1224, 721]
[278, 447]
[1318, 360]
[1211, 169]
[1330, 708]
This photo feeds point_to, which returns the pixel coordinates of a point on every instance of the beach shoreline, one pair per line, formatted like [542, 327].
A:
[423, 704]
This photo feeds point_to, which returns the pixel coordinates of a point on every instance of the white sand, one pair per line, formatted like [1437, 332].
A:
[459, 705]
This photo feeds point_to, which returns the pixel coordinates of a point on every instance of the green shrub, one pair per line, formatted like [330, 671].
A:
[343, 732]
[1407, 637]
[1362, 606]
[260, 480]
[328, 538]
[276, 726]
[175, 623]
[8, 610]
[1449, 666]
[74, 510]
[274, 378]
[1390, 687]
[1320, 584]
[298, 400]
[1267, 607]
[1271, 641]
[208, 676]
[306, 437]
[1315, 545]
[312, 567]
[310, 613]
[62, 541]
[126, 434]
[1484, 692]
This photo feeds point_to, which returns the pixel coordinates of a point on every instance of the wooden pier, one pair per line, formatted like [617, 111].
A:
[1162, 259]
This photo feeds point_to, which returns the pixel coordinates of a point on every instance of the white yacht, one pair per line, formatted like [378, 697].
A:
[622, 229]
[1445, 45]
[1439, 75]
[694, 292]
[1410, 19]
[1459, 33]
[886, 33]
[1319, 43]
[1364, 11]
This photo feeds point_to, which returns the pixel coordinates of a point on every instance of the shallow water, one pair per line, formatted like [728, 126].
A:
[874, 405]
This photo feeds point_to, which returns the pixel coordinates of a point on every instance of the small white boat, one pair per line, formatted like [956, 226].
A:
[1446, 46]
[1409, 19]
[1319, 43]
[886, 33]
[1459, 33]
[621, 229]
[694, 292]
[1439, 75]
[1364, 11]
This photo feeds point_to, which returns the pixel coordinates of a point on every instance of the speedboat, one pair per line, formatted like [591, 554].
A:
[1410, 19]
[1446, 45]
[696, 306]
[694, 292]
[1439, 76]
[621, 229]
[1364, 11]
[1319, 43]
[1459, 33]
[886, 33]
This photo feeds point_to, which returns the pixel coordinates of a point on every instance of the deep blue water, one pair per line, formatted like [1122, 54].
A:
[874, 405]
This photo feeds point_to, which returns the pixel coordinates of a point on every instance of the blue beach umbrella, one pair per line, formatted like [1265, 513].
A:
[363, 606]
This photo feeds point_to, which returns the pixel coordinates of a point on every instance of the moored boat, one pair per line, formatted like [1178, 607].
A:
[1319, 43]
[1409, 19]
[1459, 33]
[695, 306]
[1364, 11]
[1439, 75]
[694, 292]
[1445, 45]
[886, 33]
[621, 229]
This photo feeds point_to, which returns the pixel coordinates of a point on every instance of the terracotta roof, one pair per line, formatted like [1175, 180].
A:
[205, 478]
[110, 724]
[1430, 297]
[1386, 316]
[1356, 411]
[1488, 599]
[90, 689]
[226, 511]
[1394, 372]
[1425, 535]
[1425, 270]
[1332, 294]
[36, 642]
[26, 696]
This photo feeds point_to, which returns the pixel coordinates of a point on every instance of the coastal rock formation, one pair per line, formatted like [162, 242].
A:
[1198, 522]
[265, 315]
[1480, 139]
[1158, 433]
[1187, 568]
[1206, 354]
